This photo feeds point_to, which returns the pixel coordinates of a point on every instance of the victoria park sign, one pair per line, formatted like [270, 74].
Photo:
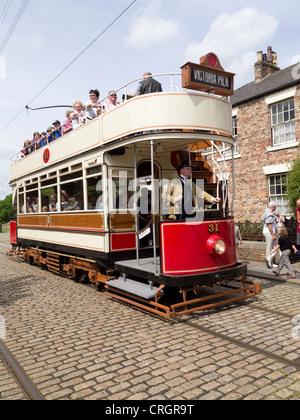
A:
[209, 76]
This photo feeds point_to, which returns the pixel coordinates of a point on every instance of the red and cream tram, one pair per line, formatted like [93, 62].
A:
[78, 199]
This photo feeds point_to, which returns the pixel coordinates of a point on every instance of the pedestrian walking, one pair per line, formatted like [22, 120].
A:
[270, 230]
[285, 245]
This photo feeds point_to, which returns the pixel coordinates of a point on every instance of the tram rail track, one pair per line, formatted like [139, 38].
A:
[23, 381]
[293, 363]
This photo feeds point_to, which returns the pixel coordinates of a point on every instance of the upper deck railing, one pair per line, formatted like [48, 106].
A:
[126, 94]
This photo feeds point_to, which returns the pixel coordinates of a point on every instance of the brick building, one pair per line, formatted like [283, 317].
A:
[266, 121]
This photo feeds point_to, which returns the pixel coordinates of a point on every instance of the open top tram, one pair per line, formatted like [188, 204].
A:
[91, 204]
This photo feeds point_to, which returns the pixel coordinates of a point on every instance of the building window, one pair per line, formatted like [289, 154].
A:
[283, 122]
[235, 136]
[277, 192]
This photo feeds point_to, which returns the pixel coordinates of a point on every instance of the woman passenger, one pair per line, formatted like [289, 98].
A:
[53, 202]
[27, 148]
[67, 125]
[78, 118]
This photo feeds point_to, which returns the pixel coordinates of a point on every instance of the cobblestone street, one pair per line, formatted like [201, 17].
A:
[76, 343]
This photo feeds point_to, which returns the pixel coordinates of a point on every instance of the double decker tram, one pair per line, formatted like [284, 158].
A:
[93, 205]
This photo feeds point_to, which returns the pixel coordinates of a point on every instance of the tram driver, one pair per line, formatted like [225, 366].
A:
[183, 195]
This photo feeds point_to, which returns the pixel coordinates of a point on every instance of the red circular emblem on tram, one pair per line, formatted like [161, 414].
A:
[46, 156]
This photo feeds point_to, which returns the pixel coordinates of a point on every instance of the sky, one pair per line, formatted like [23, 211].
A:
[152, 35]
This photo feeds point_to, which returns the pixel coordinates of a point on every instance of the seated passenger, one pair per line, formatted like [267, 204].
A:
[112, 101]
[67, 125]
[78, 117]
[79, 200]
[53, 202]
[36, 137]
[93, 107]
[29, 205]
[64, 200]
[27, 148]
[50, 131]
[42, 141]
[36, 205]
[72, 204]
[57, 132]
[45, 209]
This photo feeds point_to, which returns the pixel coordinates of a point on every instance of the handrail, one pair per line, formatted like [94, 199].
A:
[16, 157]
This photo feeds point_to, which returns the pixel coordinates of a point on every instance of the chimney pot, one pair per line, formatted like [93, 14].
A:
[270, 55]
[259, 56]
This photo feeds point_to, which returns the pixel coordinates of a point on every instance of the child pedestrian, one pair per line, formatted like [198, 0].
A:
[285, 245]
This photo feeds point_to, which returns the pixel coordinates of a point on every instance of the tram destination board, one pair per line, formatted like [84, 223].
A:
[207, 79]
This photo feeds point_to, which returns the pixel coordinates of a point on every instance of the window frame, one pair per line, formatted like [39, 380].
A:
[282, 115]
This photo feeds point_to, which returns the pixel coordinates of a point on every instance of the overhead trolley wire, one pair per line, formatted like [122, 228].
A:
[69, 65]
[5, 10]
[13, 25]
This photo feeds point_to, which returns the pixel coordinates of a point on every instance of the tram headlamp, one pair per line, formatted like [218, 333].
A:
[220, 247]
[216, 245]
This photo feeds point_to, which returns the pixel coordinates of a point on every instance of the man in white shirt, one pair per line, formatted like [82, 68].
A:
[270, 231]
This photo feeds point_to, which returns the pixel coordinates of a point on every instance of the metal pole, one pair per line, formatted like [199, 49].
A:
[233, 181]
[153, 211]
[135, 208]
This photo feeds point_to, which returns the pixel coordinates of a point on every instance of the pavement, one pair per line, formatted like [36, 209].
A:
[258, 269]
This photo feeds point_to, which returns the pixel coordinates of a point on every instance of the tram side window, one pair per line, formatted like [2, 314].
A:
[72, 196]
[49, 199]
[21, 203]
[32, 202]
[95, 193]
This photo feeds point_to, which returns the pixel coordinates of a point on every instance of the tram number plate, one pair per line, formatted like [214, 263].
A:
[213, 228]
[145, 233]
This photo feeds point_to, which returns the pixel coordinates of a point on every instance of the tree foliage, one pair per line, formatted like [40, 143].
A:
[6, 210]
[293, 188]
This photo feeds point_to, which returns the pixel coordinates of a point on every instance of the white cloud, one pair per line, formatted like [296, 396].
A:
[295, 59]
[151, 30]
[29, 44]
[234, 37]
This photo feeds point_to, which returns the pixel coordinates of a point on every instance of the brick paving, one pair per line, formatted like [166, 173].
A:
[76, 343]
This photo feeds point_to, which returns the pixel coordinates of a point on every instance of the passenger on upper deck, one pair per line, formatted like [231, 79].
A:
[42, 141]
[78, 118]
[112, 101]
[36, 137]
[50, 137]
[93, 107]
[67, 125]
[57, 132]
[148, 85]
[27, 148]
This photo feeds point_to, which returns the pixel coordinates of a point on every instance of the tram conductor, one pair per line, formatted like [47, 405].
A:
[183, 195]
